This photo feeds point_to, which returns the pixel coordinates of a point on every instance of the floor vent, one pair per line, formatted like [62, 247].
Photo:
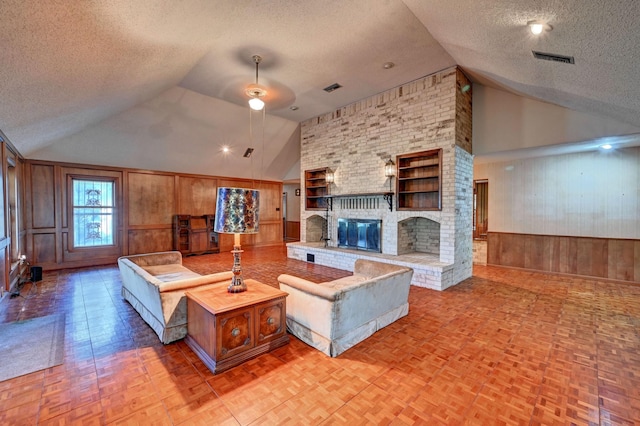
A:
[553, 57]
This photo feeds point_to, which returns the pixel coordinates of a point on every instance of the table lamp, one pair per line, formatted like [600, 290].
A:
[237, 213]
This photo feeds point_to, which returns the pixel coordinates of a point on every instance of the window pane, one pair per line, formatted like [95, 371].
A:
[92, 193]
[92, 213]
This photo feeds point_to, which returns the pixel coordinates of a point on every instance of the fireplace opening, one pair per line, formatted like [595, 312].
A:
[418, 235]
[360, 234]
[316, 229]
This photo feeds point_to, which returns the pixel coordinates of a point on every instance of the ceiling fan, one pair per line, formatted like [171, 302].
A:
[256, 91]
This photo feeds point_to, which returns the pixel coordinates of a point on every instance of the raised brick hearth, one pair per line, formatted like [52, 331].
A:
[428, 271]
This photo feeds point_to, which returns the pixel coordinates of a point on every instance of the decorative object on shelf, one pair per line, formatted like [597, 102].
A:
[237, 212]
[297, 192]
[390, 172]
[256, 91]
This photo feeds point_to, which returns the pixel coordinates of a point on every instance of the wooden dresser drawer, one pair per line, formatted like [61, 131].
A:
[235, 332]
[271, 320]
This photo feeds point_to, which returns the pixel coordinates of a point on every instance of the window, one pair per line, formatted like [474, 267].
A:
[93, 212]
[480, 209]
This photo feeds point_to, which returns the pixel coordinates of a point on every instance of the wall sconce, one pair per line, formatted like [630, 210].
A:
[390, 172]
[328, 176]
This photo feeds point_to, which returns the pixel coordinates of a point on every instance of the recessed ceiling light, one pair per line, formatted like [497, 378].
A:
[537, 27]
[606, 146]
[225, 149]
[388, 65]
[294, 107]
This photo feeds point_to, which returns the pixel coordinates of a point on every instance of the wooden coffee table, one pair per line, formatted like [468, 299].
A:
[226, 329]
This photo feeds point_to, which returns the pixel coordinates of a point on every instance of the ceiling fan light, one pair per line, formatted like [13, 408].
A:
[536, 27]
[256, 104]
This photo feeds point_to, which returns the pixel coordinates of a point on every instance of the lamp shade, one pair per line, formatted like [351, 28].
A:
[237, 211]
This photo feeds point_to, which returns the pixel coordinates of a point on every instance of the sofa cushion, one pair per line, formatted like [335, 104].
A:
[152, 259]
[172, 272]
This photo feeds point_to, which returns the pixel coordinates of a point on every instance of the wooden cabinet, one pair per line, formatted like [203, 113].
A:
[234, 333]
[194, 234]
[316, 189]
[419, 182]
[226, 329]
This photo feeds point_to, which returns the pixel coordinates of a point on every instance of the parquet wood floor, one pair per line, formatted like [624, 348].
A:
[505, 347]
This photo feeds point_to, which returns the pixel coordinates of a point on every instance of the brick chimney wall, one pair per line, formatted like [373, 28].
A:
[355, 141]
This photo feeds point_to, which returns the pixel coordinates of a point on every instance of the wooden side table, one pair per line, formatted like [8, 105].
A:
[226, 329]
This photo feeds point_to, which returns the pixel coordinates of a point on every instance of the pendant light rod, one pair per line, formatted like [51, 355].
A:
[257, 59]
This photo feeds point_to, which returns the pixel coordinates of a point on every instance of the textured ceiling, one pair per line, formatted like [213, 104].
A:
[160, 84]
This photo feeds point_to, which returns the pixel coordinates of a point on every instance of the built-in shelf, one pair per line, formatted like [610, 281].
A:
[316, 189]
[419, 183]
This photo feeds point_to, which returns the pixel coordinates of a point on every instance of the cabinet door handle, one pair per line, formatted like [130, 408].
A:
[270, 320]
[235, 332]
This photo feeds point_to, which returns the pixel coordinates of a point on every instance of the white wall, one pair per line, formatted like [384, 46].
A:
[590, 194]
[293, 202]
[503, 122]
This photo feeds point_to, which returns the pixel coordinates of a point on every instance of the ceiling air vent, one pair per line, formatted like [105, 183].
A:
[553, 57]
[331, 88]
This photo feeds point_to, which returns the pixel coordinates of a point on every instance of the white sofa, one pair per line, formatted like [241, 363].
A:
[336, 315]
[154, 284]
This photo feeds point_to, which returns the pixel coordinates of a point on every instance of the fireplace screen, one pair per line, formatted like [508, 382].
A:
[361, 234]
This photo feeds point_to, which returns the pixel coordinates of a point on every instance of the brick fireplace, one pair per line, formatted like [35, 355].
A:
[356, 141]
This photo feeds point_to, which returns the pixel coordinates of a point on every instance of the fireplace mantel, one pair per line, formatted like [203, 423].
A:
[388, 197]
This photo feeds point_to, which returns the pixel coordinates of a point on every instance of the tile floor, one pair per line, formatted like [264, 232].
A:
[504, 347]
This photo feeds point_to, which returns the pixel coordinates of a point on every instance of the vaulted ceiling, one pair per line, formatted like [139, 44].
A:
[159, 84]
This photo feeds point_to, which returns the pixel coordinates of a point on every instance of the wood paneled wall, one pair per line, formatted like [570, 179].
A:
[12, 231]
[145, 204]
[610, 258]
